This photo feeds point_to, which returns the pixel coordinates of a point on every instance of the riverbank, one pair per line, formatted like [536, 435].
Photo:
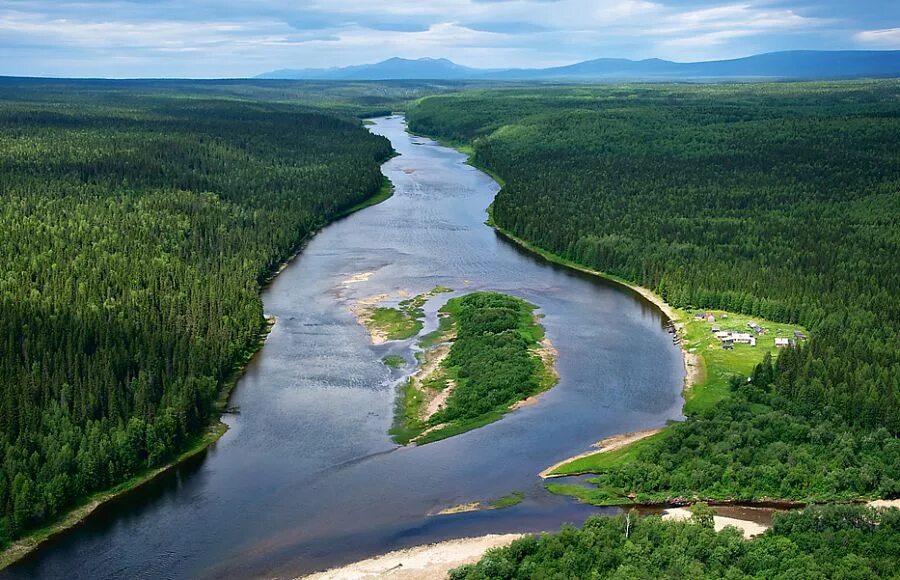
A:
[708, 364]
[607, 445]
[421, 562]
[200, 443]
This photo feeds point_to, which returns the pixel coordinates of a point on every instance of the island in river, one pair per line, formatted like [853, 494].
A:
[489, 355]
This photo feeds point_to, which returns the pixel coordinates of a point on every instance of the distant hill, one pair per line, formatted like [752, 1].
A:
[391, 69]
[799, 64]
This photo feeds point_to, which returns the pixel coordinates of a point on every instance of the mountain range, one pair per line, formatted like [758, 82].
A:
[799, 64]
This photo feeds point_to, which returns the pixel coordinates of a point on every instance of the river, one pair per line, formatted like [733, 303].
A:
[306, 476]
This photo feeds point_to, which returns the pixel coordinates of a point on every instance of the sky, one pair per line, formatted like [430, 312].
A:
[241, 38]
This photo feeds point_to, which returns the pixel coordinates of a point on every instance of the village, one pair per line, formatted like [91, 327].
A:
[730, 337]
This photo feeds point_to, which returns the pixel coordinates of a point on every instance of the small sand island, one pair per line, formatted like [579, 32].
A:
[386, 323]
[488, 355]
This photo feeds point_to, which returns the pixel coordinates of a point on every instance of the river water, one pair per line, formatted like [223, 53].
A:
[307, 477]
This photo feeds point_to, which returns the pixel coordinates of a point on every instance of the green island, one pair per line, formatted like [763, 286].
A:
[732, 200]
[393, 361]
[488, 355]
[508, 500]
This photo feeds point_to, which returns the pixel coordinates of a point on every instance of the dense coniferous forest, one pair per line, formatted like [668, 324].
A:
[774, 200]
[822, 542]
[136, 231]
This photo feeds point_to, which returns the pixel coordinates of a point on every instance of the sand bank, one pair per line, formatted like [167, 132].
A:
[748, 528]
[421, 562]
[602, 446]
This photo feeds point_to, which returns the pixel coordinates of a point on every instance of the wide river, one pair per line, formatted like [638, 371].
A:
[307, 477]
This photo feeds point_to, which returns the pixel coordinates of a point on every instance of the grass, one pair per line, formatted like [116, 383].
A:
[396, 323]
[384, 193]
[599, 462]
[720, 364]
[407, 424]
[438, 335]
[712, 386]
[394, 361]
[461, 426]
[592, 495]
[467, 149]
[509, 500]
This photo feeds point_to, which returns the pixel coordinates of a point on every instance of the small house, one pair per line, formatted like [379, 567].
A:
[728, 345]
[716, 329]
[743, 338]
[710, 318]
[782, 343]
[799, 335]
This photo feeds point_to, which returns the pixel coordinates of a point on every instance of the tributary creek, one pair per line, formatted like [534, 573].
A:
[307, 477]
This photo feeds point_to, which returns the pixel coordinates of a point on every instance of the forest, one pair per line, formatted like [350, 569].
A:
[774, 200]
[822, 542]
[491, 357]
[135, 233]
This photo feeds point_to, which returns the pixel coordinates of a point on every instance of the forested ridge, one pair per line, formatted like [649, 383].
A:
[135, 232]
[774, 200]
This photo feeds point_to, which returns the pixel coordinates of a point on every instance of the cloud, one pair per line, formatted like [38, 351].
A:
[703, 32]
[884, 38]
[244, 37]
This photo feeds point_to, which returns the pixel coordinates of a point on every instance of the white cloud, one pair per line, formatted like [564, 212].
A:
[240, 37]
[884, 38]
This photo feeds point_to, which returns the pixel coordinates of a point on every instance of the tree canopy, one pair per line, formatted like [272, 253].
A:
[134, 234]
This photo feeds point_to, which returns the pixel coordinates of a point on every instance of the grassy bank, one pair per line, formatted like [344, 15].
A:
[498, 358]
[383, 194]
[467, 149]
[705, 389]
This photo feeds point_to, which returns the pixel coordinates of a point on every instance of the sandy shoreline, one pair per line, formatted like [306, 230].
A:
[603, 446]
[436, 560]
[748, 528]
[421, 562]
[363, 309]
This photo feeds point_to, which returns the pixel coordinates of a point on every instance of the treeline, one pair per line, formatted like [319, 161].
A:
[134, 235]
[823, 542]
[776, 200]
